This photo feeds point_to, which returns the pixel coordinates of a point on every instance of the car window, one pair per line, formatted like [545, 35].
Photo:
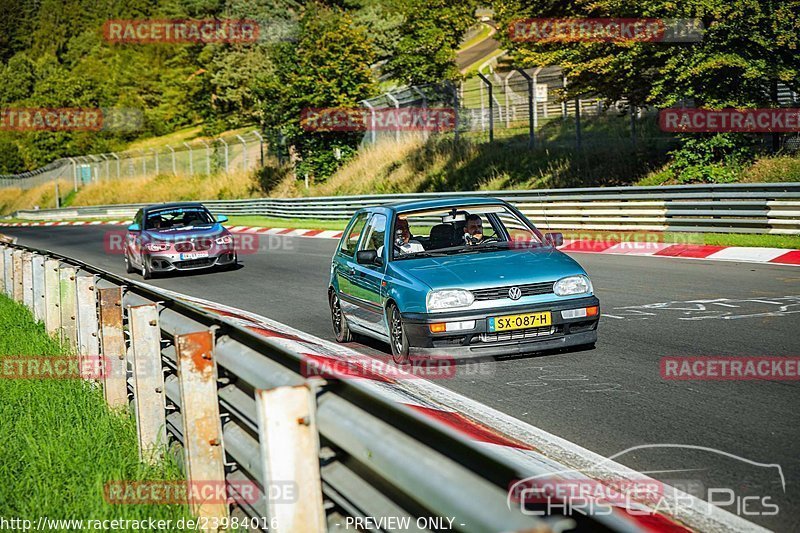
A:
[350, 239]
[180, 217]
[376, 231]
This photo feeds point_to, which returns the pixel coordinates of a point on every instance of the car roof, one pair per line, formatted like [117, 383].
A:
[416, 205]
[174, 205]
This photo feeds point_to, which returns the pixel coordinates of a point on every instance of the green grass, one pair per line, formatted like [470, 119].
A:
[301, 223]
[59, 444]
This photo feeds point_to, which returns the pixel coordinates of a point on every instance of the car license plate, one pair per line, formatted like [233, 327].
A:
[194, 255]
[524, 321]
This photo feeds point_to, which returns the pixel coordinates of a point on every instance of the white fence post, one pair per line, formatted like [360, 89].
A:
[52, 297]
[27, 280]
[39, 307]
[3, 289]
[69, 305]
[88, 342]
[289, 447]
[17, 275]
[148, 382]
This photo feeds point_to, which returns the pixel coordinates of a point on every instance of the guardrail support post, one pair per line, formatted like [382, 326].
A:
[52, 297]
[289, 448]
[27, 280]
[148, 382]
[17, 273]
[69, 305]
[115, 370]
[38, 288]
[88, 343]
[202, 430]
[3, 282]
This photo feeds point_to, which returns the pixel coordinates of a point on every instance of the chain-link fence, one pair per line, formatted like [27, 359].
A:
[227, 154]
[530, 104]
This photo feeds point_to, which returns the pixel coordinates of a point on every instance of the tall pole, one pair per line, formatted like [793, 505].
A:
[491, 105]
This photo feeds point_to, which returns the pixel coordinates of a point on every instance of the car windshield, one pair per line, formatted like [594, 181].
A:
[180, 217]
[462, 229]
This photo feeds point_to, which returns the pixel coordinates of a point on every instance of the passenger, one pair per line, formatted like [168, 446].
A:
[402, 240]
[473, 230]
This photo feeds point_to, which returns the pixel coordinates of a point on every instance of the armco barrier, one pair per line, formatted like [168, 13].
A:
[728, 208]
[233, 406]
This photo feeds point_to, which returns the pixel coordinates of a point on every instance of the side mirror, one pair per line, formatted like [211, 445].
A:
[554, 239]
[134, 227]
[222, 218]
[368, 257]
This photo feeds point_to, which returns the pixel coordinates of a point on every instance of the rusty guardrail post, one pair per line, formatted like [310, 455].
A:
[17, 272]
[68, 305]
[202, 431]
[38, 287]
[27, 280]
[148, 382]
[88, 342]
[289, 449]
[115, 370]
[52, 297]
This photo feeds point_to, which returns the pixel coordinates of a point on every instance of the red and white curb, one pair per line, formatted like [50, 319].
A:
[531, 449]
[778, 256]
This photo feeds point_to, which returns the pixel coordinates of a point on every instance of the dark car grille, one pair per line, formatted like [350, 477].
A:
[498, 293]
[195, 263]
[183, 247]
[203, 244]
[516, 335]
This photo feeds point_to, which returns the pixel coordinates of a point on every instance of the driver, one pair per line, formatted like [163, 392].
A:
[473, 230]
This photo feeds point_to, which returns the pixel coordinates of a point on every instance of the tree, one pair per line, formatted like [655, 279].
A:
[429, 37]
[328, 66]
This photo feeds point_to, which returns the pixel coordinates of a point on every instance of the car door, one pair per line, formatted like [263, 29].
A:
[344, 266]
[369, 279]
[133, 239]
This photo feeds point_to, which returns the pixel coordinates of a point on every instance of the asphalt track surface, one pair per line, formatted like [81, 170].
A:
[608, 399]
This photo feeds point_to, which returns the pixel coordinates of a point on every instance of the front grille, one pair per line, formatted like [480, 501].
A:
[498, 293]
[517, 334]
[203, 244]
[183, 247]
[195, 263]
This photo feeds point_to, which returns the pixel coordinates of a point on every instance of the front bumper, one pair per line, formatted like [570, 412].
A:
[168, 262]
[563, 333]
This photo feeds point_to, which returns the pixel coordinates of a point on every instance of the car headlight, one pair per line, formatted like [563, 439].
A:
[572, 285]
[225, 239]
[449, 298]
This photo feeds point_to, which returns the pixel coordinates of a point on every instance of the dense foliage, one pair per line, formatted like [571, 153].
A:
[747, 47]
[53, 53]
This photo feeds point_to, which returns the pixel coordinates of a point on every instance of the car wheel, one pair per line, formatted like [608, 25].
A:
[339, 321]
[397, 336]
[128, 266]
[147, 272]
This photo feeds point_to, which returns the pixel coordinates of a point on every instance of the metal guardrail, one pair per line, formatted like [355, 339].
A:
[364, 455]
[729, 208]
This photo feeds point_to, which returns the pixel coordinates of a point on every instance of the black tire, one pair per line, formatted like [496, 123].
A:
[147, 272]
[398, 340]
[128, 266]
[340, 328]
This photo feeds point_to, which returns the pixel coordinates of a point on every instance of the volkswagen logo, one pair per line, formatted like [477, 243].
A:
[515, 293]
